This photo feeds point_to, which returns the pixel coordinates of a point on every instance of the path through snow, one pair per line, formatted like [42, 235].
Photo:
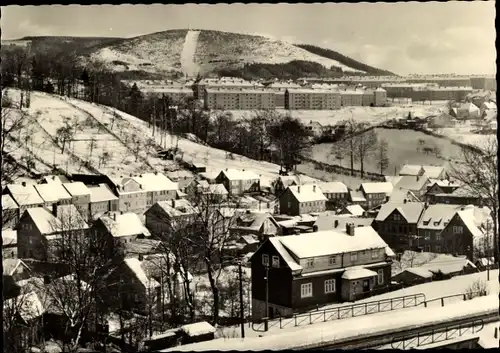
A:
[189, 67]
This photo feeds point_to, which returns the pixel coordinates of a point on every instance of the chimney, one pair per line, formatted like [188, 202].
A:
[350, 229]
[387, 198]
[314, 188]
[141, 257]
[173, 203]
[418, 177]
[121, 212]
[336, 223]
[114, 216]
[298, 189]
[404, 201]
[23, 183]
[54, 210]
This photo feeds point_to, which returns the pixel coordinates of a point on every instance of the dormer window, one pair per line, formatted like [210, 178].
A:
[310, 263]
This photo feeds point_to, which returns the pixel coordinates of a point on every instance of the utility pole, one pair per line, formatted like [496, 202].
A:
[487, 250]
[267, 295]
[242, 310]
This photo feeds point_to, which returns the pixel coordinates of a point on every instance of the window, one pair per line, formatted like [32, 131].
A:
[289, 204]
[438, 237]
[374, 253]
[306, 290]
[354, 257]
[427, 235]
[438, 248]
[332, 260]
[265, 259]
[276, 261]
[309, 263]
[458, 229]
[397, 217]
[380, 276]
[329, 286]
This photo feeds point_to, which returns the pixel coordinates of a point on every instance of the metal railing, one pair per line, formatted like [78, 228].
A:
[341, 312]
[434, 336]
[463, 296]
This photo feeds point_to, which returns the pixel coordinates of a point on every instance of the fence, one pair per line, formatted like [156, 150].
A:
[434, 336]
[342, 312]
[463, 296]
[337, 169]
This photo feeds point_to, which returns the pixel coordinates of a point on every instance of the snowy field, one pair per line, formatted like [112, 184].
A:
[371, 115]
[463, 135]
[306, 336]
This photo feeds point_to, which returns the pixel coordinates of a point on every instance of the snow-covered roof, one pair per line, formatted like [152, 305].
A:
[443, 183]
[490, 105]
[253, 220]
[307, 193]
[8, 203]
[126, 224]
[437, 216]
[24, 195]
[411, 182]
[355, 210]
[235, 174]
[29, 306]
[176, 208]
[377, 187]
[447, 264]
[52, 192]
[135, 266]
[68, 218]
[357, 196]
[198, 328]
[358, 272]
[285, 255]
[410, 169]
[411, 211]
[9, 237]
[217, 189]
[59, 179]
[328, 221]
[419, 271]
[77, 188]
[332, 242]
[473, 218]
[101, 193]
[10, 266]
[155, 182]
[333, 187]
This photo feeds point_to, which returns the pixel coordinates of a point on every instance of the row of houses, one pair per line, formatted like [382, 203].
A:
[426, 92]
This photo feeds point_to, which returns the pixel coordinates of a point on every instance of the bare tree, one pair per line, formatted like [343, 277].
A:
[91, 146]
[478, 171]
[382, 155]
[365, 145]
[87, 260]
[104, 158]
[14, 123]
[348, 144]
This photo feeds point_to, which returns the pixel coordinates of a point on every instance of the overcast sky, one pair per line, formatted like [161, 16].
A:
[412, 37]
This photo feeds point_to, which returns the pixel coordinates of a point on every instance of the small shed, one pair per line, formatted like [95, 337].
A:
[197, 167]
[197, 332]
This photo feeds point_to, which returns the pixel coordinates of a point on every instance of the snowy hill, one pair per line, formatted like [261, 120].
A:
[126, 140]
[209, 51]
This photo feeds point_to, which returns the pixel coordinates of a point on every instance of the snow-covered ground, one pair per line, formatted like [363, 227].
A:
[464, 135]
[372, 115]
[188, 65]
[306, 336]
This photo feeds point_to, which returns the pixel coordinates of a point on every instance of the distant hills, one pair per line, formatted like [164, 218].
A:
[208, 53]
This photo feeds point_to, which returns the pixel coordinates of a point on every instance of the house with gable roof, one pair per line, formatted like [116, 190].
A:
[261, 224]
[376, 193]
[396, 223]
[39, 227]
[313, 269]
[131, 195]
[284, 181]
[415, 183]
[439, 186]
[24, 195]
[237, 182]
[164, 217]
[302, 199]
[121, 227]
[467, 231]
[336, 192]
[102, 200]
[430, 171]
[462, 195]
[157, 187]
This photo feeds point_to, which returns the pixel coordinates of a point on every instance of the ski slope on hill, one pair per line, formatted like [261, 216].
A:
[188, 65]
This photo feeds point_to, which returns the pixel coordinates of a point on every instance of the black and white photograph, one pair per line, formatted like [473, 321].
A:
[249, 177]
